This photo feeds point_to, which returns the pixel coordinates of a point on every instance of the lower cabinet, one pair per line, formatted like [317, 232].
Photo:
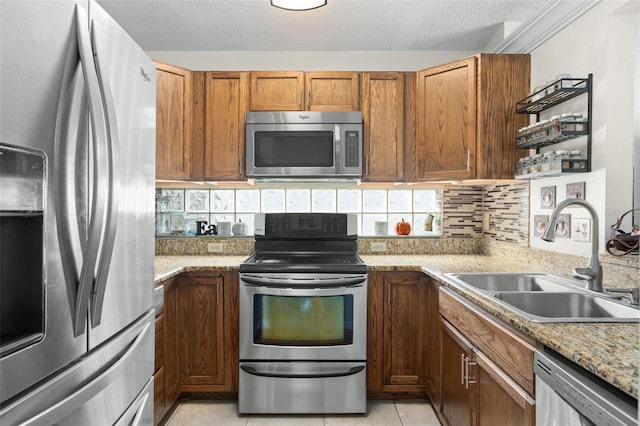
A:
[397, 341]
[487, 369]
[165, 378]
[197, 339]
[207, 332]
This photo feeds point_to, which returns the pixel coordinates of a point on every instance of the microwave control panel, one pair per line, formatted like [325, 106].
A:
[352, 148]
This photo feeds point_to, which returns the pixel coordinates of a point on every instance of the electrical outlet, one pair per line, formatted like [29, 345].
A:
[380, 246]
[215, 247]
[581, 230]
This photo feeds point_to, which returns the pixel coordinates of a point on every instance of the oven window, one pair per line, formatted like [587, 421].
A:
[303, 320]
[291, 148]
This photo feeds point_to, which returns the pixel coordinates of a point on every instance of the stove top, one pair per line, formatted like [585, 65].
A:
[305, 242]
[314, 262]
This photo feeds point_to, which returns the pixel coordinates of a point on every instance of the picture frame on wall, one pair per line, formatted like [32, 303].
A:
[576, 190]
[540, 224]
[548, 197]
[563, 228]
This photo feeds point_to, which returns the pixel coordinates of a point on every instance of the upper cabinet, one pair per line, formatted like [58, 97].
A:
[383, 116]
[226, 102]
[466, 118]
[297, 91]
[173, 122]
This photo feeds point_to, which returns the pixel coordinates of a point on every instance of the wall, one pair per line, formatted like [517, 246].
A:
[601, 42]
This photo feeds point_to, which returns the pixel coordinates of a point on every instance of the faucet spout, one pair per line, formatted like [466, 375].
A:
[593, 272]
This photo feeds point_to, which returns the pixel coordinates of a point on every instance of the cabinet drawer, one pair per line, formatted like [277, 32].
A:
[159, 361]
[501, 345]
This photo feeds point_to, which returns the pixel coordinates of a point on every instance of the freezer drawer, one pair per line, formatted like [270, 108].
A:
[100, 389]
[302, 387]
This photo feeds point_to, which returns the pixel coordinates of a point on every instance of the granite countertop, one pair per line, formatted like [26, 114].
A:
[609, 350]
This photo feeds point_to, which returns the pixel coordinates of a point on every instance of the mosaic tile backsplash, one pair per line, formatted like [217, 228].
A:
[178, 210]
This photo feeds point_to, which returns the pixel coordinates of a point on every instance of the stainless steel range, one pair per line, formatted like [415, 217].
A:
[303, 317]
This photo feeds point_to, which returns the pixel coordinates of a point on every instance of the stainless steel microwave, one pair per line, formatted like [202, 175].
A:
[304, 144]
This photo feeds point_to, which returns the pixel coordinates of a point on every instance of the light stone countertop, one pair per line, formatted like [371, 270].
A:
[609, 350]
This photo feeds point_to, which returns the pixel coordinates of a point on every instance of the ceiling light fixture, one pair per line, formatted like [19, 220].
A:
[298, 4]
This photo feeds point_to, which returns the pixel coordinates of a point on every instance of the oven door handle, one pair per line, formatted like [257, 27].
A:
[306, 283]
[341, 373]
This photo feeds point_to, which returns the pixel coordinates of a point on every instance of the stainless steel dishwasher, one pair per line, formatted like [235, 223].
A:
[568, 395]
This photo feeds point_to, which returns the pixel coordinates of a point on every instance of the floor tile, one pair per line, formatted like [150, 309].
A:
[379, 413]
[416, 412]
[207, 412]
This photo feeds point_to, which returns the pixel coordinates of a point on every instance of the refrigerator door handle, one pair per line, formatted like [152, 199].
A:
[92, 247]
[136, 413]
[78, 398]
[71, 231]
[108, 235]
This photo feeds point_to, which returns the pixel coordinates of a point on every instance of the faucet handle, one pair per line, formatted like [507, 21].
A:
[635, 293]
[585, 274]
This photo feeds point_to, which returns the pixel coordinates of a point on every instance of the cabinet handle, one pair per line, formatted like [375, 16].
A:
[466, 372]
[462, 362]
[468, 160]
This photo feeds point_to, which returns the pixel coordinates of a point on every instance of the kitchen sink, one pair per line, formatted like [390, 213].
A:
[492, 282]
[567, 307]
[540, 297]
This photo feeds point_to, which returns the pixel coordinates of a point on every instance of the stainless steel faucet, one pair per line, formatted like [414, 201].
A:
[592, 274]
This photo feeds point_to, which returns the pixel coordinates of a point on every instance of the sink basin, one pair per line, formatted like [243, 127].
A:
[567, 307]
[541, 297]
[492, 282]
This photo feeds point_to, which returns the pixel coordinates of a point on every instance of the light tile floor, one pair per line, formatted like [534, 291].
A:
[381, 413]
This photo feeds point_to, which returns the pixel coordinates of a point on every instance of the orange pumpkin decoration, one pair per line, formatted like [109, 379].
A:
[403, 228]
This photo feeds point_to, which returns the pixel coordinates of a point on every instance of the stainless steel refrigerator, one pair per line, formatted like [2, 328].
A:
[77, 168]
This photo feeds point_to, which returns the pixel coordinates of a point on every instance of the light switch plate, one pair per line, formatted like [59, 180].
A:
[581, 230]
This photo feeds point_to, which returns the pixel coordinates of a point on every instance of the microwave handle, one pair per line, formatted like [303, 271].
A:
[337, 133]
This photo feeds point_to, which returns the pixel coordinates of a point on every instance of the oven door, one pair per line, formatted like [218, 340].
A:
[310, 317]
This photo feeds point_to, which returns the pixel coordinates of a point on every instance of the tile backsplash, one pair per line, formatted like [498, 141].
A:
[468, 215]
[178, 210]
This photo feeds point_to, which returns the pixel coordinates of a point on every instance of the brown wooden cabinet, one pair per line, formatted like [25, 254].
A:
[207, 332]
[458, 373]
[487, 369]
[382, 96]
[465, 117]
[397, 336]
[166, 386]
[434, 352]
[297, 91]
[226, 97]
[173, 122]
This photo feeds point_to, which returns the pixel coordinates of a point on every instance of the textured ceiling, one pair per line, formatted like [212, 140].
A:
[342, 25]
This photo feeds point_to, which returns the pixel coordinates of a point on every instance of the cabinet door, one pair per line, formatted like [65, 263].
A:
[446, 122]
[226, 105]
[404, 333]
[332, 91]
[434, 371]
[383, 117]
[500, 400]
[457, 393]
[173, 122]
[171, 367]
[277, 91]
[201, 333]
